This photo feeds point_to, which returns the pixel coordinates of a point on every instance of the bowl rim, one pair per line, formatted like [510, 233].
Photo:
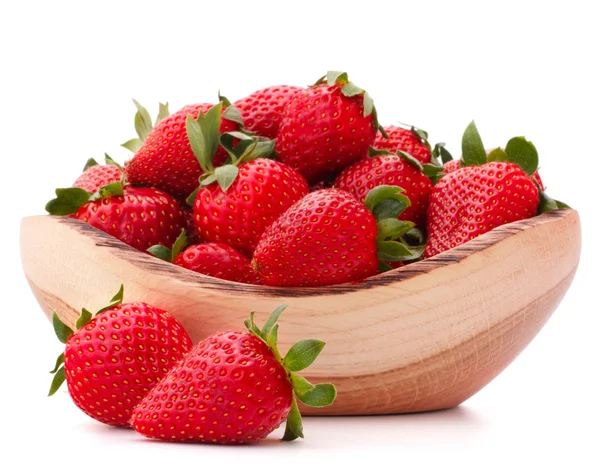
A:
[154, 265]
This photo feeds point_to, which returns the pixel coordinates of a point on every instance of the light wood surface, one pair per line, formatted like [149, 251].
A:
[423, 337]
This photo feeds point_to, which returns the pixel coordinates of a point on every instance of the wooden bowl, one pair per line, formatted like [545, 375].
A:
[419, 338]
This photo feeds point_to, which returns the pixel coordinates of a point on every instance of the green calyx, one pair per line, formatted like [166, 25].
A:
[64, 332]
[166, 254]
[299, 356]
[395, 238]
[69, 200]
[143, 124]
[349, 89]
[518, 150]
[205, 138]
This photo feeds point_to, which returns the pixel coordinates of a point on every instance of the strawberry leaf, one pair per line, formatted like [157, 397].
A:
[142, 121]
[160, 251]
[112, 189]
[133, 145]
[59, 361]
[350, 89]
[293, 427]
[473, 151]
[392, 228]
[521, 152]
[433, 172]
[84, 318]
[116, 300]
[302, 354]
[57, 381]
[67, 201]
[270, 323]
[440, 151]
[63, 332]
[163, 112]
[300, 384]
[393, 251]
[272, 337]
[547, 203]
[226, 175]
[190, 200]
[412, 160]
[203, 135]
[335, 76]
[497, 155]
[90, 163]
[233, 113]
[319, 396]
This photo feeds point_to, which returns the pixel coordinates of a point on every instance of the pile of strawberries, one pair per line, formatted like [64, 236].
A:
[299, 186]
[134, 365]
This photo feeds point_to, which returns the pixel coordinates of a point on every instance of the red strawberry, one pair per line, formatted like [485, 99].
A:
[113, 359]
[237, 201]
[166, 160]
[412, 141]
[262, 110]
[329, 237]
[140, 217]
[96, 176]
[326, 127]
[214, 259]
[234, 388]
[363, 176]
[486, 191]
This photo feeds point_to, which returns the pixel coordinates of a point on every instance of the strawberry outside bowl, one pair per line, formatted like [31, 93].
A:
[422, 337]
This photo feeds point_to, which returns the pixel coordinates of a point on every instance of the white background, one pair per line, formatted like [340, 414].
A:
[68, 73]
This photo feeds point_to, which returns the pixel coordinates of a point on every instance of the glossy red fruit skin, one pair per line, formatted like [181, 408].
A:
[454, 165]
[229, 389]
[218, 260]
[262, 110]
[112, 362]
[323, 131]
[405, 140]
[97, 176]
[474, 200]
[142, 217]
[326, 238]
[166, 160]
[363, 176]
[262, 191]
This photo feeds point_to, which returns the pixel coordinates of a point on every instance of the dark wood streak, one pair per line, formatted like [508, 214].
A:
[453, 256]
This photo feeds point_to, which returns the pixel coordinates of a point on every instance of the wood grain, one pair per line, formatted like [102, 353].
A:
[423, 337]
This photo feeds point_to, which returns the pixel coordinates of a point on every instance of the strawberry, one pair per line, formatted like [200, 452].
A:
[486, 191]
[327, 127]
[234, 388]
[113, 359]
[388, 169]
[211, 258]
[329, 237]
[237, 201]
[412, 141]
[262, 110]
[166, 161]
[140, 217]
[96, 176]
